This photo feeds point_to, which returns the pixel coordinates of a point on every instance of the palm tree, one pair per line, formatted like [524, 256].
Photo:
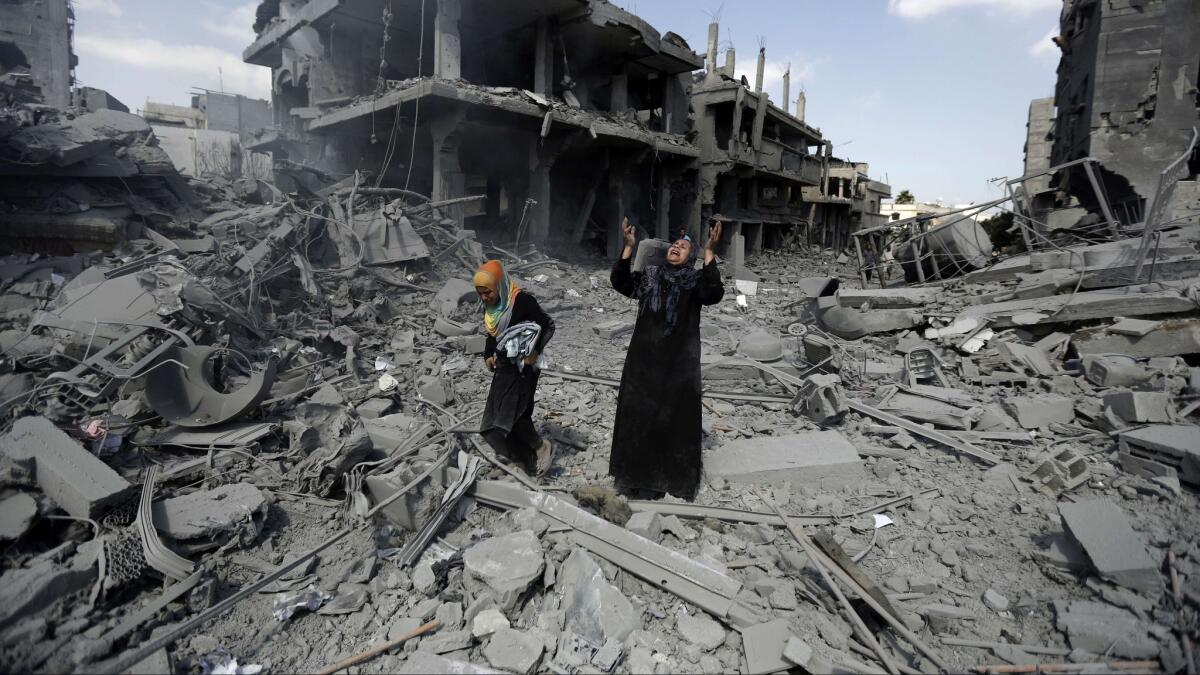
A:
[905, 197]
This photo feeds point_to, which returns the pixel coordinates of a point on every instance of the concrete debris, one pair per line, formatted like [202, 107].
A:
[819, 460]
[700, 630]
[1099, 628]
[74, 479]
[487, 622]
[514, 651]
[504, 567]
[263, 320]
[1101, 529]
[594, 608]
[233, 512]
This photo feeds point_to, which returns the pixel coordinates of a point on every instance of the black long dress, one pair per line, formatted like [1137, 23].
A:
[656, 436]
[507, 423]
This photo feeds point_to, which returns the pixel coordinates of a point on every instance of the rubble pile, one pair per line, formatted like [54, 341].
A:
[242, 439]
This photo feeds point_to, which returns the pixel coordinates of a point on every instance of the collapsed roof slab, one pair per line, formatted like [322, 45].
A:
[447, 93]
[595, 22]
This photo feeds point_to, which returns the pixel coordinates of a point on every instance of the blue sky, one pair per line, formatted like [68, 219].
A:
[932, 93]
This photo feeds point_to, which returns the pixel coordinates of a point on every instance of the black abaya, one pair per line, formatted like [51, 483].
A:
[507, 423]
[656, 436]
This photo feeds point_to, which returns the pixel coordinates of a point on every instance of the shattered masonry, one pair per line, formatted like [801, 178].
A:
[238, 396]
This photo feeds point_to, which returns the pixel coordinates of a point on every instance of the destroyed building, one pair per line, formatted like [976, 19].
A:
[572, 112]
[209, 137]
[1127, 97]
[767, 171]
[36, 39]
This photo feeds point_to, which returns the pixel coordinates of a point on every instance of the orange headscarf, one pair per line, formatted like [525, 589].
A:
[491, 275]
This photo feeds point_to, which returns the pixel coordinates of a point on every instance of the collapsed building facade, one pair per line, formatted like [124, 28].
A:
[766, 170]
[208, 137]
[1127, 98]
[573, 112]
[35, 38]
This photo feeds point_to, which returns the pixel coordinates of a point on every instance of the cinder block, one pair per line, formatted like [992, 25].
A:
[1140, 406]
[73, 478]
[1034, 412]
[1115, 550]
[820, 459]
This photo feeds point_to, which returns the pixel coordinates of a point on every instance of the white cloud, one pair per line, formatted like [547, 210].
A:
[920, 9]
[109, 7]
[1045, 47]
[237, 24]
[201, 63]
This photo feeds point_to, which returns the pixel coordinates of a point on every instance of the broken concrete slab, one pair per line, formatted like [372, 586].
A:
[1127, 301]
[513, 650]
[1034, 412]
[820, 459]
[1173, 337]
[1134, 327]
[1100, 628]
[234, 510]
[592, 607]
[26, 591]
[764, 645]
[887, 298]
[1114, 549]
[504, 567]
[1173, 445]
[73, 478]
[1140, 406]
[451, 294]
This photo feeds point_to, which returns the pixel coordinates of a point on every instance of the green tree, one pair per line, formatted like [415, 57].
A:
[905, 197]
[1002, 233]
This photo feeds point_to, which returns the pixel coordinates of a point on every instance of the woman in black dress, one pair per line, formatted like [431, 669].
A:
[518, 331]
[656, 436]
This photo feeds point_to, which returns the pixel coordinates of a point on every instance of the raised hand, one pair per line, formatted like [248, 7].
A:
[714, 235]
[628, 232]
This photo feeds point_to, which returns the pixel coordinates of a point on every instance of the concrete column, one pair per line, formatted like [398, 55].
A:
[730, 62]
[662, 226]
[710, 63]
[616, 187]
[764, 101]
[447, 43]
[758, 75]
[620, 92]
[543, 70]
[537, 224]
[754, 237]
[787, 87]
[801, 102]
[448, 179]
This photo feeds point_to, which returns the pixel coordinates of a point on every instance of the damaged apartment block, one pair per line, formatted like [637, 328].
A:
[572, 112]
[1126, 98]
[767, 171]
